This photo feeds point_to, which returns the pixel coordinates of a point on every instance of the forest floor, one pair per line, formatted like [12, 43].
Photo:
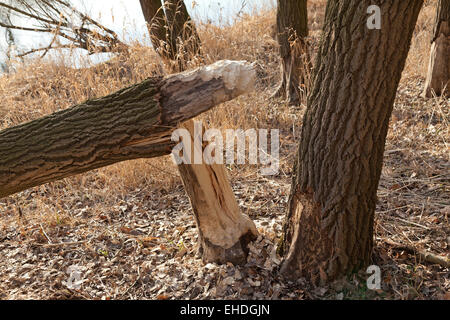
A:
[128, 230]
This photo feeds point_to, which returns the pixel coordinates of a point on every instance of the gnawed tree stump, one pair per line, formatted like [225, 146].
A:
[135, 122]
[224, 232]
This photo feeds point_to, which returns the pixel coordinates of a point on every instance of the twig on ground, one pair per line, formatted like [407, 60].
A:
[423, 255]
[412, 223]
[60, 244]
[45, 234]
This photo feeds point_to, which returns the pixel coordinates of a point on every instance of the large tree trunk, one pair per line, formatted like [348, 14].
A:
[224, 232]
[135, 122]
[328, 230]
[438, 77]
[172, 32]
[292, 29]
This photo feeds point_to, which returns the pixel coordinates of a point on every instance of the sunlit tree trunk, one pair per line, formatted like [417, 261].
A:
[328, 230]
[438, 77]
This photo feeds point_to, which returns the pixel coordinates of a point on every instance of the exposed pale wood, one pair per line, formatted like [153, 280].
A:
[224, 232]
[135, 122]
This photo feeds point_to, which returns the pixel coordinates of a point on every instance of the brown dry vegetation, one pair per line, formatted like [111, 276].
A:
[131, 223]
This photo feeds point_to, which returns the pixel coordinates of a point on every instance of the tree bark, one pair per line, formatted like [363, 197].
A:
[172, 32]
[292, 29]
[135, 122]
[438, 76]
[328, 230]
[183, 36]
[224, 232]
[157, 26]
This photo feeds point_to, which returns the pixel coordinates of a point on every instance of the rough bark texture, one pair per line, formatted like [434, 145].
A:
[438, 76]
[329, 224]
[224, 232]
[172, 32]
[135, 122]
[292, 29]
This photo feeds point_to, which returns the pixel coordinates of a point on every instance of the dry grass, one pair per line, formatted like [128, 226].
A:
[414, 186]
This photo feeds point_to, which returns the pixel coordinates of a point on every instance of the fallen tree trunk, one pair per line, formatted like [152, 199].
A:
[224, 232]
[135, 122]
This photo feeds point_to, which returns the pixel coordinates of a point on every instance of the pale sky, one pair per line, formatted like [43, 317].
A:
[125, 17]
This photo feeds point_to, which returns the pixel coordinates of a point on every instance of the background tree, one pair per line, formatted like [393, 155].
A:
[328, 230]
[438, 77]
[292, 29]
[155, 18]
[172, 32]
